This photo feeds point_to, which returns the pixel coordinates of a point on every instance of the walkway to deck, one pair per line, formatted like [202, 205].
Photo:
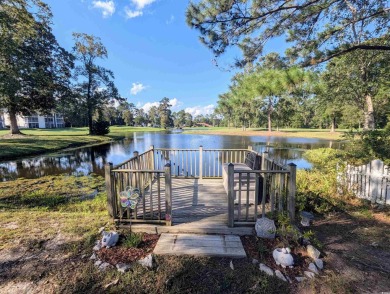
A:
[199, 207]
[200, 245]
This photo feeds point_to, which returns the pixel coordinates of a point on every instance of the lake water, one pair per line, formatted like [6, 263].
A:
[86, 160]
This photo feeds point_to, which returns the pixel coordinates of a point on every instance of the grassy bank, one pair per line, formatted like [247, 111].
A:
[302, 133]
[40, 141]
[48, 227]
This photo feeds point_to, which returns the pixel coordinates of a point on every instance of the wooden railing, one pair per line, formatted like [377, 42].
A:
[152, 173]
[197, 163]
[273, 184]
[155, 185]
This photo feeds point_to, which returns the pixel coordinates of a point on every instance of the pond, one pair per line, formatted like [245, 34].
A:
[86, 160]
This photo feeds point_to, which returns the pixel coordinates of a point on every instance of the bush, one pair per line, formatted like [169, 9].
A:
[325, 158]
[317, 188]
[369, 145]
[133, 240]
[100, 127]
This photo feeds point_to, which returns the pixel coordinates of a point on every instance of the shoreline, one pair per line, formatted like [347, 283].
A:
[248, 133]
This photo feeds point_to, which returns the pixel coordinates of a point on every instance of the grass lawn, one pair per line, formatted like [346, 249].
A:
[47, 234]
[302, 133]
[48, 227]
[39, 141]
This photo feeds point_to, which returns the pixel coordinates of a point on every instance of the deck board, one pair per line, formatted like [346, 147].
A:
[199, 206]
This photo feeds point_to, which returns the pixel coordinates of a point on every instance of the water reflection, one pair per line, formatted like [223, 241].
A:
[92, 159]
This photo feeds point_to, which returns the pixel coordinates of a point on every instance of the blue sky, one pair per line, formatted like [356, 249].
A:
[152, 51]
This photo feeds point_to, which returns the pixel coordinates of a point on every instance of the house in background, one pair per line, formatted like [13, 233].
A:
[2, 126]
[34, 121]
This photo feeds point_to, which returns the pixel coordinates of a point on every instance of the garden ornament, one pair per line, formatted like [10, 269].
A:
[283, 257]
[265, 228]
[130, 197]
[109, 239]
[306, 218]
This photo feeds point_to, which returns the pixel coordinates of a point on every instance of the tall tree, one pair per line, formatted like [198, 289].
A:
[34, 68]
[154, 116]
[360, 78]
[96, 84]
[165, 113]
[318, 30]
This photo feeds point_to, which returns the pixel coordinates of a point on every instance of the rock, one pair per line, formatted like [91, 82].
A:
[93, 256]
[310, 275]
[98, 246]
[279, 274]
[266, 269]
[265, 228]
[319, 263]
[104, 266]
[123, 267]
[98, 263]
[312, 267]
[283, 257]
[147, 261]
[313, 252]
[111, 284]
[255, 261]
[231, 265]
[300, 279]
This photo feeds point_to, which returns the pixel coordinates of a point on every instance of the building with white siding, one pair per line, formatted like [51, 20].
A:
[34, 121]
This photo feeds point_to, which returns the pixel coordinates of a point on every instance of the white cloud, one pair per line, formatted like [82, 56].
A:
[136, 8]
[176, 103]
[132, 13]
[137, 88]
[198, 110]
[149, 105]
[107, 7]
[140, 4]
[170, 20]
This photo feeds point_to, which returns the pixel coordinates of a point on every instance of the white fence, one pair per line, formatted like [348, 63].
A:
[370, 181]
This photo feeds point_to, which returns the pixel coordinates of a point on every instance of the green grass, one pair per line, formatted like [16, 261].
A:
[302, 133]
[30, 226]
[40, 141]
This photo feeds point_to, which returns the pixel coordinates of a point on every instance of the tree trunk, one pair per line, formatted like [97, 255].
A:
[333, 127]
[90, 121]
[14, 123]
[369, 122]
[269, 122]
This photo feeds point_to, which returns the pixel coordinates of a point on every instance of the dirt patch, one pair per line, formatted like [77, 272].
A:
[357, 253]
[15, 136]
[261, 249]
[122, 254]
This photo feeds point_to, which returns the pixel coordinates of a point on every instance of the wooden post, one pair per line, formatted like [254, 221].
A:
[231, 195]
[263, 160]
[168, 194]
[152, 164]
[200, 162]
[137, 167]
[292, 187]
[263, 183]
[110, 189]
[250, 148]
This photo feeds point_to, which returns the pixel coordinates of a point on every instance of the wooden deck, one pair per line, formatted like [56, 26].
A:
[198, 207]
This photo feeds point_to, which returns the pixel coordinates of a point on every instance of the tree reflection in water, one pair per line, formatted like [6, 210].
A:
[87, 160]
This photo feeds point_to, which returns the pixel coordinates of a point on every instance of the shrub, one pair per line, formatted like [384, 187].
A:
[133, 240]
[369, 145]
[100, 127]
